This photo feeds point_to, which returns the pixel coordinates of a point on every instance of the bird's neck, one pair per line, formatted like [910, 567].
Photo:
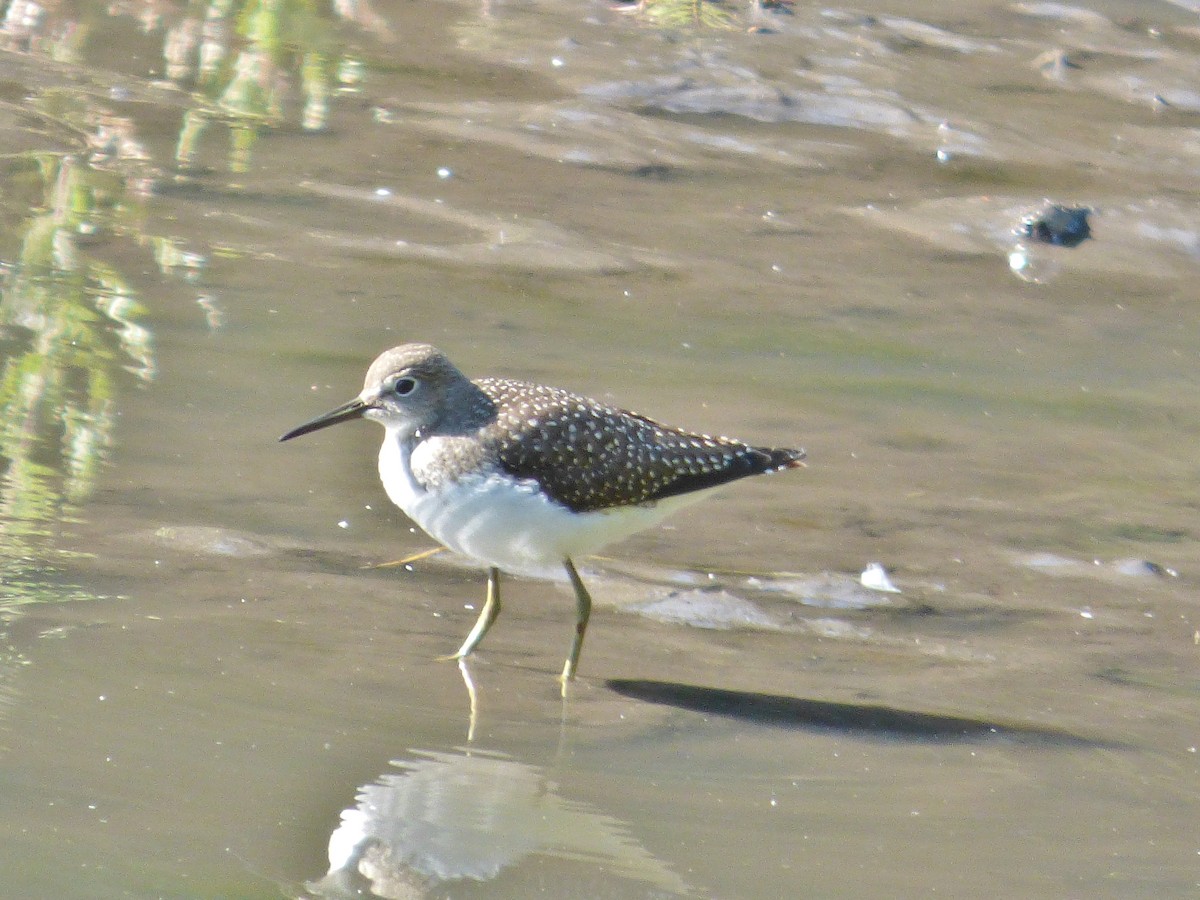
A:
[466, 409]
[395, 468]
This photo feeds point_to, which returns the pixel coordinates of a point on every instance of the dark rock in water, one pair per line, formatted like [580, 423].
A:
[654, 172]
[1064, 226]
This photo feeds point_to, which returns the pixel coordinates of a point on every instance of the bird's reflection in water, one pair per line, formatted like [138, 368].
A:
[446, 817]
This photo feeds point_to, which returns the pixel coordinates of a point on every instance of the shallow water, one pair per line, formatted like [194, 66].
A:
[798, 235]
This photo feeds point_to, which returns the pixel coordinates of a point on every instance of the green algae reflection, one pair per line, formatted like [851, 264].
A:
[69, 330]
[244, 60]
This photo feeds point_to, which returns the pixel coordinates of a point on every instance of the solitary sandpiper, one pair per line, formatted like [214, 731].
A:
[520, 476]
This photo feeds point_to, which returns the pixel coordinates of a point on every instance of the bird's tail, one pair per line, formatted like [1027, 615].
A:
[783, 458]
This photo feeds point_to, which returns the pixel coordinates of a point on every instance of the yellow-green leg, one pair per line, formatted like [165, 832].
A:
[487, 615]
[583, 611]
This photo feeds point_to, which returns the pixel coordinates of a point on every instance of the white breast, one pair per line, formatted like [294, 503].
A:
[507, 523]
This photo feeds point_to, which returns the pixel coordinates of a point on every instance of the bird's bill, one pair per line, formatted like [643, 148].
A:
[344, 413]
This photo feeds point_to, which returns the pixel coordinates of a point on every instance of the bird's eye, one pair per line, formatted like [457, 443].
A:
[405, 386]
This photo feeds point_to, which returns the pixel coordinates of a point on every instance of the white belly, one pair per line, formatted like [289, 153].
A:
[505, 523]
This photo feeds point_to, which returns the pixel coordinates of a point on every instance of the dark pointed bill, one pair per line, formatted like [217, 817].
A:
[344, 413]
